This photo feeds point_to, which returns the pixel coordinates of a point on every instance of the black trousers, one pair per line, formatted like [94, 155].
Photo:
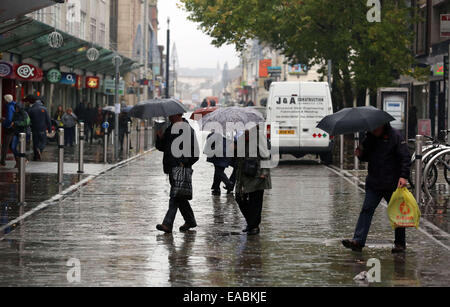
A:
[220, 176]
[6, 145]
[250, 205]
[185, 210]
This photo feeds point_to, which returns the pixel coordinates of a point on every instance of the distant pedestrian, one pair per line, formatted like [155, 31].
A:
[252, 178]
[389, 164]
[80, 111]
[164, 143]
[124, 119]
[90, 117]
[70, 122]
[21, 122]
[7, 125]
[40, 125]
[220, 162]
[58, 117]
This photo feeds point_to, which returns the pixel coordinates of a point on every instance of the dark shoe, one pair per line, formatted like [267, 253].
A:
[253, 231]
[186, 227]
[215, 192]
[229, 189]
[399, 249]
[353, 245]
[164, 228]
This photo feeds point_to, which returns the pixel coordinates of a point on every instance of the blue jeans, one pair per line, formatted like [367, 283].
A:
[14, 144]
[371, 202]
[39, 141]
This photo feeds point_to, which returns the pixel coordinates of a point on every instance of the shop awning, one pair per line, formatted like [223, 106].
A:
[10, 9]
[30, 41]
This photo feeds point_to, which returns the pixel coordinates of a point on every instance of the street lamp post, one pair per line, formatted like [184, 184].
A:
[168, 58]
[117, 63]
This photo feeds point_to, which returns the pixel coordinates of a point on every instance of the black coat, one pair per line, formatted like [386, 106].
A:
[389, 160]
[164, 144]
[223, 161]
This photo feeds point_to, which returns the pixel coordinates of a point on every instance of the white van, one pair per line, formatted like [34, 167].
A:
[293, 111]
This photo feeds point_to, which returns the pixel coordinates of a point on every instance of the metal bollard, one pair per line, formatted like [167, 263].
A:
[146, 134]
[138, 136]
[105, 146]
[341, 151]
[77, 135]
[60, 155]
[22, 164]
[418, 189]
[81, 150]
[355, 147]
[128, 140]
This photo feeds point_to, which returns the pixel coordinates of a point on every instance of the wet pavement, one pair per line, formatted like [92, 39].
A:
[109, 226]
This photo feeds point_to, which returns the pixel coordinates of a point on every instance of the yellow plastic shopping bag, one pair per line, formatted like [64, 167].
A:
[403, 210]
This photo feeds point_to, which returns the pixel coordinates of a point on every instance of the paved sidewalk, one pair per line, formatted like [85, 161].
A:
[109, 225]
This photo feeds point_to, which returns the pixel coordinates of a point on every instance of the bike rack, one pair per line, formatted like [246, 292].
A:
[427, 169]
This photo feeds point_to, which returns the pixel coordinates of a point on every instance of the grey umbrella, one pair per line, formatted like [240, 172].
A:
[233, 115]
[352, 120]
[157, 108]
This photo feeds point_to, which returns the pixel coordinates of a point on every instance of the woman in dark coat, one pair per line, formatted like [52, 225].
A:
[220, 162]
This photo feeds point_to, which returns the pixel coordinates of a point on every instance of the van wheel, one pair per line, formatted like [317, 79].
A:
[326, 158]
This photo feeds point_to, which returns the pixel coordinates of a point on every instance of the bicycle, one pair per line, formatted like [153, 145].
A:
[431, 148]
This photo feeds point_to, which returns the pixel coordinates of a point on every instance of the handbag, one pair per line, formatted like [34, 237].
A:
[250, 167]
[181, 183]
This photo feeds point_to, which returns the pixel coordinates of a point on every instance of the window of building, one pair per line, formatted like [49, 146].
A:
[93, 29]
[83, 25]
[102, 34]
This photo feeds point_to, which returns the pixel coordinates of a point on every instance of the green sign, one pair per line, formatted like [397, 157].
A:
[54, 75]
[110, 87]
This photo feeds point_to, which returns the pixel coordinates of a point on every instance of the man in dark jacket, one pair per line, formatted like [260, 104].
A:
[40, 123]
[164, 142]
[389, 164]
[220, 162]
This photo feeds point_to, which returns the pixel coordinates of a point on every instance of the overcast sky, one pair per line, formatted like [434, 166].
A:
[193, 46]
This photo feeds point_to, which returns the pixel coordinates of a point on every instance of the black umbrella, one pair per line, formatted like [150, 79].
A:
[157, 108]
[352, 120]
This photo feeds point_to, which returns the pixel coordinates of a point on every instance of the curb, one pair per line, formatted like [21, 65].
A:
[70, 190]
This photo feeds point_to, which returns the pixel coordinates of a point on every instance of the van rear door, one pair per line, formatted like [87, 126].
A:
[285, 112]
[315, 104]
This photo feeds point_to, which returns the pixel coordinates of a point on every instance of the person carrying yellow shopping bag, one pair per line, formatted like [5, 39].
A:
[403, 210]
[389, 163]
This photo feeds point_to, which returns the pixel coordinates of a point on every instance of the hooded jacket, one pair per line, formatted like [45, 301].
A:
[388, 158]
[40, 120]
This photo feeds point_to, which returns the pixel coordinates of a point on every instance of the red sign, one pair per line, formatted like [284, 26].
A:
[92, 82]
[263, 68]
[79, 82]
[445, 25]
[424, 126]
[28, 72]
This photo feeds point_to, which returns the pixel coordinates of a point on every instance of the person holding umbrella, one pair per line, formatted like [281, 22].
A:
[389, 165]
[389, 162]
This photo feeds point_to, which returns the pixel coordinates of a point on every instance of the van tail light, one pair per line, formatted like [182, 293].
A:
[268, 132]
